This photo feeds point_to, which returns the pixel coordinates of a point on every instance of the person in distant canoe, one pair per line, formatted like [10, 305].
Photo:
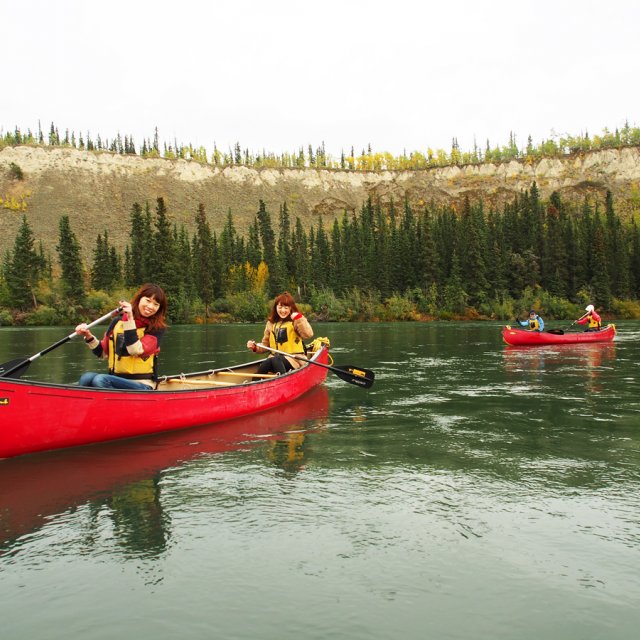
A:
[286, 329]
[592, 317]
[533, 323]
[131, 343]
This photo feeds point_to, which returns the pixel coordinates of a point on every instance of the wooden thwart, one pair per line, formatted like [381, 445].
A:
[204, 382]
[246, 375]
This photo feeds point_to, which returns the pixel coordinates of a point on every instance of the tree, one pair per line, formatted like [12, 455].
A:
[163, 267]
[140, 249]
[268, 240]
[22, 269]
[203, 259]
[68, 249]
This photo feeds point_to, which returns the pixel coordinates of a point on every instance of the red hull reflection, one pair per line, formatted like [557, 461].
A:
[34, 487]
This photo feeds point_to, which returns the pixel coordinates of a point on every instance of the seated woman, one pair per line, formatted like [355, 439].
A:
[285, 330]
[131, 343]
[592, 319]
[534, 323]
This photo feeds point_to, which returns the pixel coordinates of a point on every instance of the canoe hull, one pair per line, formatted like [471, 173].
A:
[37, 416]
[523, 338]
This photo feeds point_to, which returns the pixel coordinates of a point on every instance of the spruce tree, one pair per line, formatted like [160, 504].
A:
[617, 251]
[203, 259]
[300, 253]
[163, 259]
[269, 255]
[140, 246]
[68, 248]
[100, 277]
[600, 281]
[22, 269]
[228, 243]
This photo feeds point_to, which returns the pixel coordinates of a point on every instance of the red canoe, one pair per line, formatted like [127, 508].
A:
[522, 337]
[37, 416]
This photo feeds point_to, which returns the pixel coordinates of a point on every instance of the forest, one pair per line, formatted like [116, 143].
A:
[392, 263]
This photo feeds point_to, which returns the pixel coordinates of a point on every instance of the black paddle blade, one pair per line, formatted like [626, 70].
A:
[355, 375]
[556, 332]
[14, 368]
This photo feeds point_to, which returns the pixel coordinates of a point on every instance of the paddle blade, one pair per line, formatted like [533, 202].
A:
[355, 375]
[556, 332]
[14, 368]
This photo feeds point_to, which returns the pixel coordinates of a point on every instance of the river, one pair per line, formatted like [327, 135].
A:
[475, 491]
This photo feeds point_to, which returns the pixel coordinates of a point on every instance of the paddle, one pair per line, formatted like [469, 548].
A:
[560, 332]
[354, 375]
[20, 365]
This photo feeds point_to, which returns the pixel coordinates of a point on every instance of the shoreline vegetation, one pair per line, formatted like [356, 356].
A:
[392, 263]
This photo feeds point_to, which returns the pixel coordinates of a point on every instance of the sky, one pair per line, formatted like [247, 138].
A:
[278, 75]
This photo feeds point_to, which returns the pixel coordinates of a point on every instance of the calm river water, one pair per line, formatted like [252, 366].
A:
[476, 491]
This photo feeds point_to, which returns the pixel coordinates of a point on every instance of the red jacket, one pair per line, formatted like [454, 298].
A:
[593, 318]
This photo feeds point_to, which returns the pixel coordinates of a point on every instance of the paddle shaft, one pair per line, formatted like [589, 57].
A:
[363, 379]
[27, 361]
[584, 315]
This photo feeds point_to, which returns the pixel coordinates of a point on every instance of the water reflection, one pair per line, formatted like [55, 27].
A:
[584, 360]
[289, 452]
[121, 481]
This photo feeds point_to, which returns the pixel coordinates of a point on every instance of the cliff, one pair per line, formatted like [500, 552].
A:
[97, 189]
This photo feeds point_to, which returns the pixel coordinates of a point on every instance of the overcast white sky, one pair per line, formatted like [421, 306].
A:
[283, 74]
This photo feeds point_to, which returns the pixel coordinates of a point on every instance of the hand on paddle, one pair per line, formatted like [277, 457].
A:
[83, 330]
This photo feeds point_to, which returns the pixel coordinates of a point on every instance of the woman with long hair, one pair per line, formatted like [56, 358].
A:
[286, 329]
[131, 343]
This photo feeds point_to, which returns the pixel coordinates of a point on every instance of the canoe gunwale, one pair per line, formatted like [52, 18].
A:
[176, 376]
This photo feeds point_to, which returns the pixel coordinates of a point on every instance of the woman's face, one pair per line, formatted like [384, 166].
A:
[283, 310]
[148, 306]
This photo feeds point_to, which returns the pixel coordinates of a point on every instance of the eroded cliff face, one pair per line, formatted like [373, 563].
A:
[97, 190]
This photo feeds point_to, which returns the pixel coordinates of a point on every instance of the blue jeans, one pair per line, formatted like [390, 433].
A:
[108, 381]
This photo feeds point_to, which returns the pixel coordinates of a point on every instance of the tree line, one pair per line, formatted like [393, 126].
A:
[391, 262]
[318, 157]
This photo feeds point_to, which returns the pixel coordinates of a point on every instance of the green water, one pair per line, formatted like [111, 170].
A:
[475, 491]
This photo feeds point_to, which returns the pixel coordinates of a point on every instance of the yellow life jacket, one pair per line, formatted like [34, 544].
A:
[534, 325]
[593, 323]
[284, 338]
[127, 366]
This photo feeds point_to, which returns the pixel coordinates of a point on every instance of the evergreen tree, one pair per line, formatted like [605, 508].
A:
[22, 269]
[100, 276]
[203, 253]
[229, 245]
[497, 264]
[380, 255]
[269, 255]
[68, 249]
[472, 249]
[634, 259]
[252, 252]
[617, 251]
[140, 249]
[600, 281]
[300, 257]
[455, 297]
[163, 267]
[426, 257]
[555, 251]
[286, 268]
